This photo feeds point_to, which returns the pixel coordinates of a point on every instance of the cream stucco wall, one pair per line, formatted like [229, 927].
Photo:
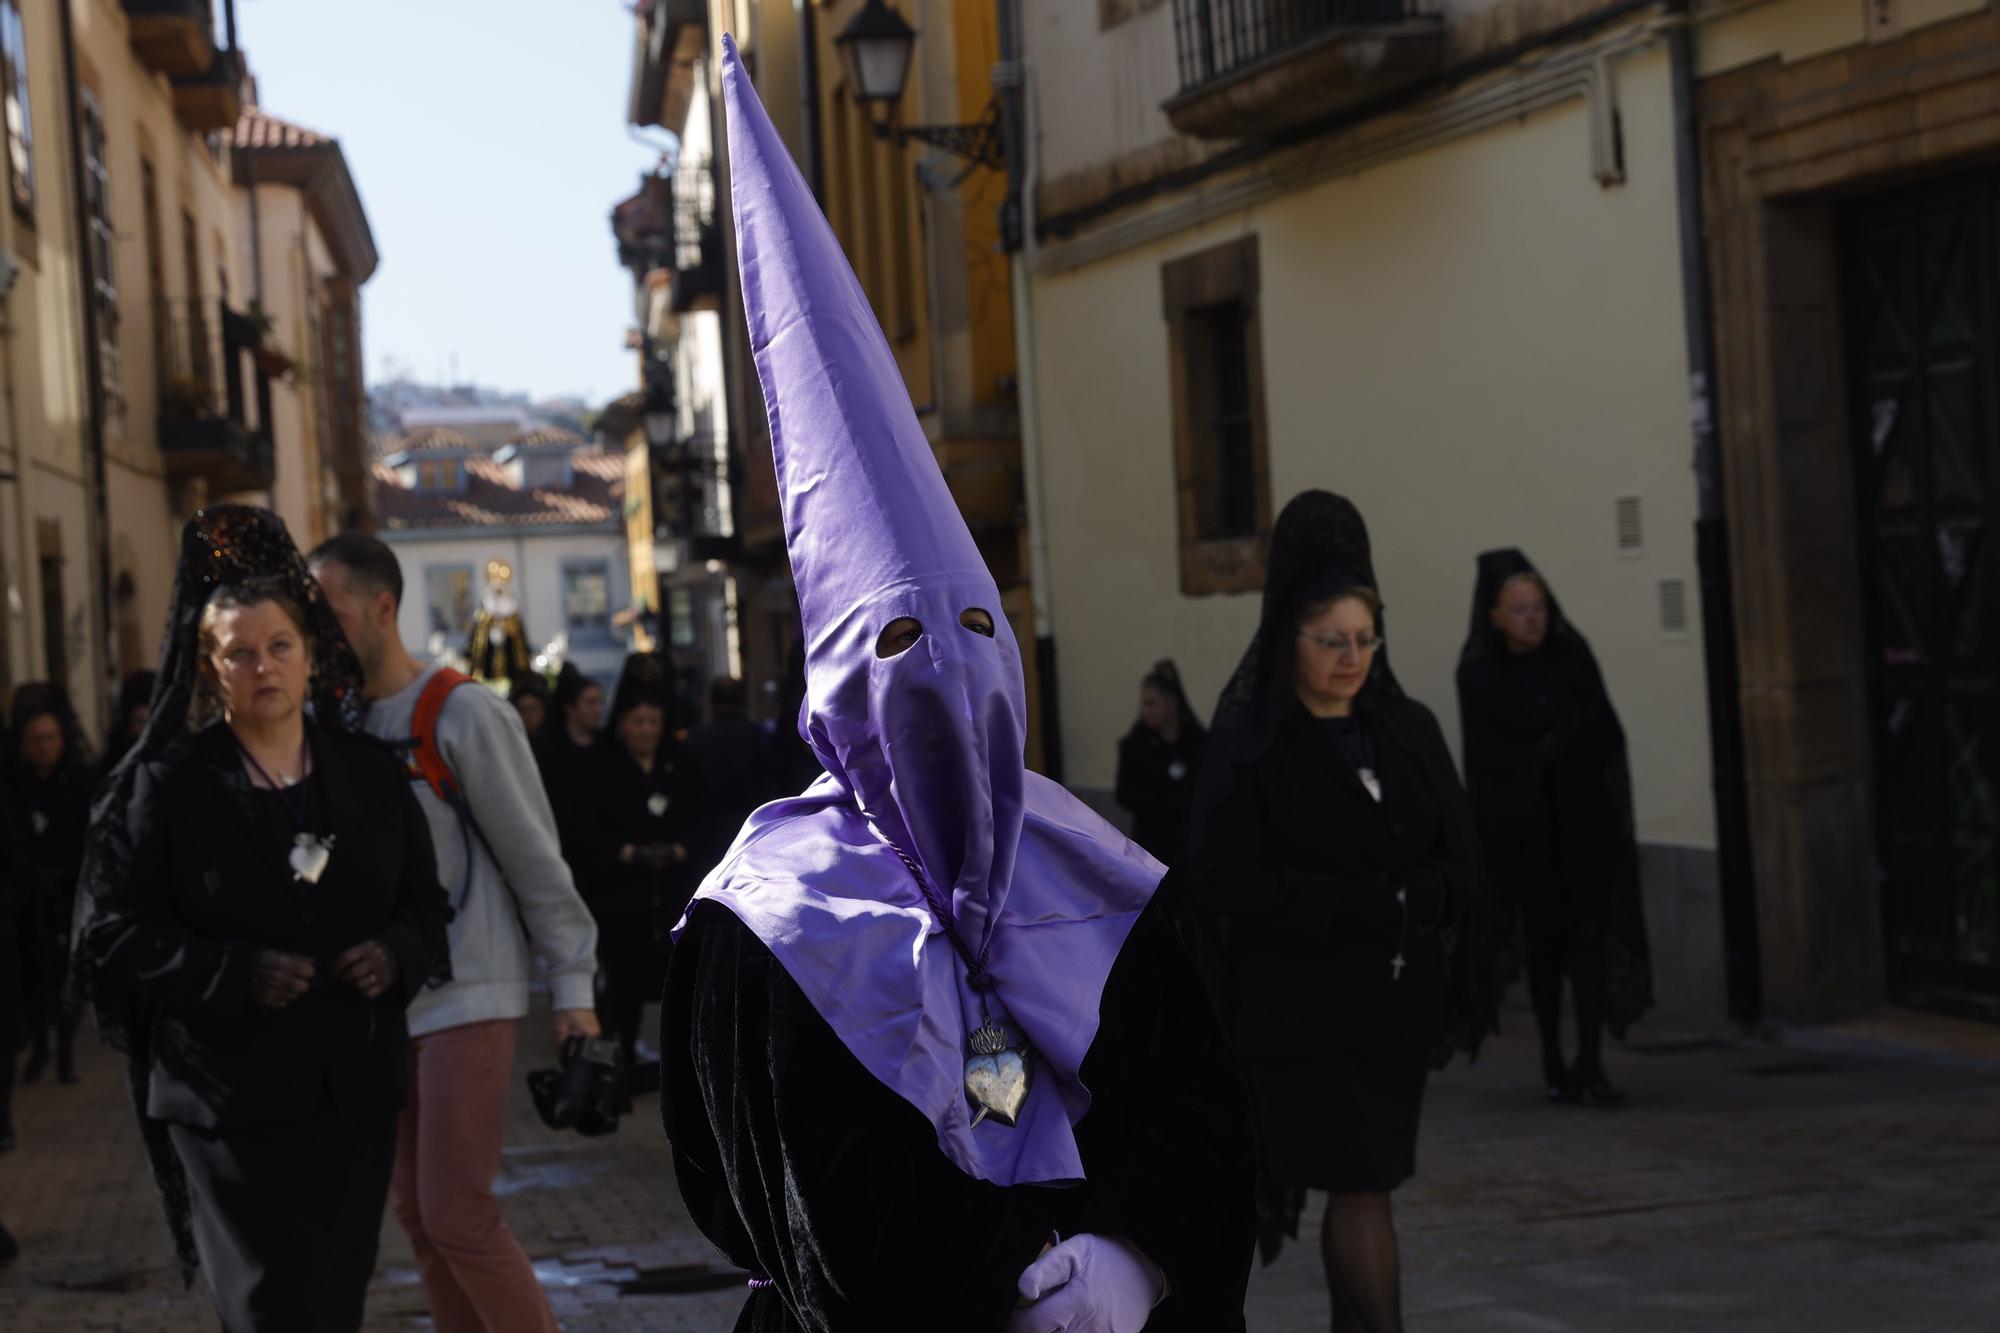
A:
[295, 262]
[1793, 30]
[537, 561]
[1482, 347]
[41, 387]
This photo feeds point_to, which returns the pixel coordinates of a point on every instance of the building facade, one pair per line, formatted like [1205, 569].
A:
[920, 228]
[1540, 273]
[143, 379]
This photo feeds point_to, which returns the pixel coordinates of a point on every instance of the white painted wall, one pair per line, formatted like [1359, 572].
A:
[1481, 347]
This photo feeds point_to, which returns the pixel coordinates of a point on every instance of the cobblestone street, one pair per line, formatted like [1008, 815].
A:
[1746, 1187]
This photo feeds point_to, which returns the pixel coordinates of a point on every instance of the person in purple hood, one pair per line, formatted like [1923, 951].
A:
[934, 1057]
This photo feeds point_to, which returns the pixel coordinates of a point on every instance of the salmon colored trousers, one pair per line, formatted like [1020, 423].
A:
[448, 1140]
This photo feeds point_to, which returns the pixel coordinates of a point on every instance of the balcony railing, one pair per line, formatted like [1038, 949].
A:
[174, 37]
[697, 238]
[1256, 67]
[691, 497]
[213, 98]
[215, 400]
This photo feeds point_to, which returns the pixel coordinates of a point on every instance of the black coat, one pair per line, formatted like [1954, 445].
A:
[1540, 739]
[796, 1161]
[1156, 783]
[1302, 866]
[726, 762]
[210, 887]
[635, 904]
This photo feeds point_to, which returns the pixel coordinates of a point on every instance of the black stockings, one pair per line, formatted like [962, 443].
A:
[1578, 953]
[1363, 1268]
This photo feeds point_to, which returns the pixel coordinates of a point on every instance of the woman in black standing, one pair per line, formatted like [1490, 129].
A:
[260, 904]
[1156, 763]
[52, 782]
[1545, 759]
[634, 823]
[1334, 858]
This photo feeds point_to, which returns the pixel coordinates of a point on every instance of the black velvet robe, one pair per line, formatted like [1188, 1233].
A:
[799, 1164]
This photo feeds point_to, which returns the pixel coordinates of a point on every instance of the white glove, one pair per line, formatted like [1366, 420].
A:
[1089, 1284]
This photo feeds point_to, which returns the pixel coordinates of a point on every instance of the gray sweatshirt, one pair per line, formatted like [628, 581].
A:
[481, 739]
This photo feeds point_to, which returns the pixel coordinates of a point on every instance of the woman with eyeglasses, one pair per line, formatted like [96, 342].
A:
[1334, 864]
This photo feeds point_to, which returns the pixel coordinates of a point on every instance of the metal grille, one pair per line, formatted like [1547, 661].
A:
[694, 211]
[1214, 38]
[1673, 606]
[1631, 526]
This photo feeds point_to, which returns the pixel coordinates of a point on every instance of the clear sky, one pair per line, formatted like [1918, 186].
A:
[488, 140]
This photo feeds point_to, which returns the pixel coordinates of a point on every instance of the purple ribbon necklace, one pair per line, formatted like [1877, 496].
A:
[311, 852]
[996, 1073]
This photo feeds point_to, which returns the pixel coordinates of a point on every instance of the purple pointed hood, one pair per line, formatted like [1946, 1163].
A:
[927, 811]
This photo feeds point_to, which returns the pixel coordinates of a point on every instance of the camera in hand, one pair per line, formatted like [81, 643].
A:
[587, 1094]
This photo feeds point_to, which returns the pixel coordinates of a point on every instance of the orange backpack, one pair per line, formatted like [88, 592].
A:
[426, 762]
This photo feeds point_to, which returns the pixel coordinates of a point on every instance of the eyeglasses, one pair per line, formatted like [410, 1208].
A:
[1340, 645]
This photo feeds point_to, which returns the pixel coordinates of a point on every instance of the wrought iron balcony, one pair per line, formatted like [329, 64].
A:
[212, 99]
[672, 35]
[692, 499]
[698, 280]
[174, 37]
[1255, 68]
[215, 398]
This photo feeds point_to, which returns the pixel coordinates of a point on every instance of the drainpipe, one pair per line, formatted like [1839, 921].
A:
[1725, 713]
[93, 369]
[1017, 237]
[809, 97]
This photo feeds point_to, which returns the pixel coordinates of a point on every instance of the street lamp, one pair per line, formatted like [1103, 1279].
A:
[875, 48]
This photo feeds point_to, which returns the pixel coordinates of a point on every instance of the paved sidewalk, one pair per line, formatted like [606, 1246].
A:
[1746, 1188]
[592, 1214]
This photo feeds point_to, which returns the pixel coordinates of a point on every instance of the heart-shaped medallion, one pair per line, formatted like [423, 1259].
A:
[996, 1077]
[309, 857]
[657, 803]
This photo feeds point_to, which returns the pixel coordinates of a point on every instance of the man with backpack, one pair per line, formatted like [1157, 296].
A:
[499, 860]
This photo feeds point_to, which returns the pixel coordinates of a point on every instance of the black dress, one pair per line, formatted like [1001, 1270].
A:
[799, 1164]
[635, 904]
[1336, 991]
[1156, 783]
[282, 1121]
[57, 810]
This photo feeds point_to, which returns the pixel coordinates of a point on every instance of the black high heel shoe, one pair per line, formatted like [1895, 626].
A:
[1562, 1086]
[1600, 1091]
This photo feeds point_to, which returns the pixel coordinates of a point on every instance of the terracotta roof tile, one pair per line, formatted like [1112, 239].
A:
[257, 128]
[491, 500]
[435, 438]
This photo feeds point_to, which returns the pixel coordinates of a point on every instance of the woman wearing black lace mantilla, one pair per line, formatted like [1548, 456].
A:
[1334, 871]
[259, 903]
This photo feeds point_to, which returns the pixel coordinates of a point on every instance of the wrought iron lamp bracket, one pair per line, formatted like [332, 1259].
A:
[980, 142]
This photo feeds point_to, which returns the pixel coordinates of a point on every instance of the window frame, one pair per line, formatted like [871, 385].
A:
[431, 573]
[1192, 288]
[16, 87]
[103, 242]
[588, 631]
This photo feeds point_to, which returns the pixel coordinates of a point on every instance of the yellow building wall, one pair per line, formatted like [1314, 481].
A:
[42, 388]
[190, 183]
[294, 262]
[1480, 346]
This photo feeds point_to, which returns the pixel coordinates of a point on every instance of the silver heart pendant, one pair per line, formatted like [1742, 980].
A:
[996, 1077]
[309, 857]
[657, 803]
